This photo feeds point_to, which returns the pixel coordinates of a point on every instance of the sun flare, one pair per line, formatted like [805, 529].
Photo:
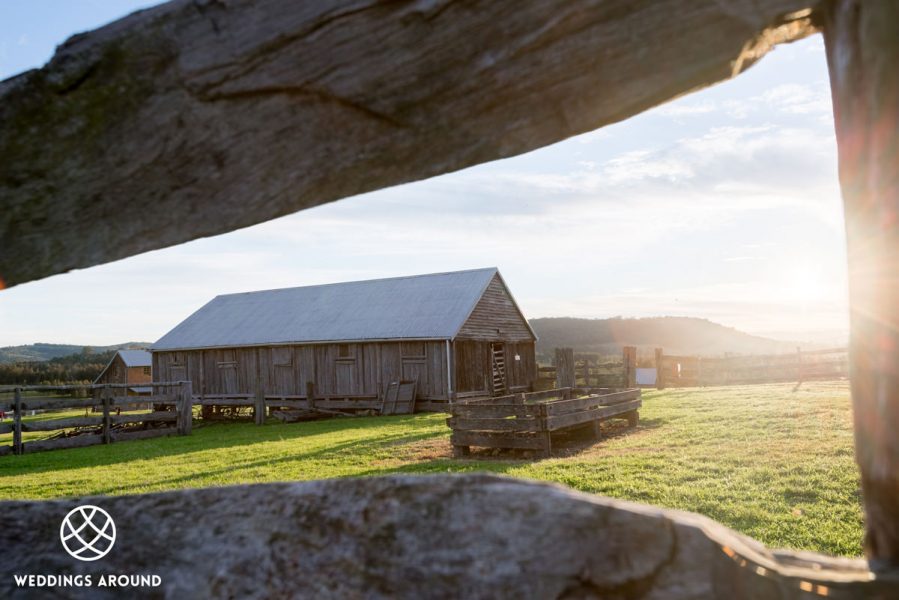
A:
[805, 284]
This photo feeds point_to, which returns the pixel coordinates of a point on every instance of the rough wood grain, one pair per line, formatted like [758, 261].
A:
[78, 441]
[420, 537]
[54, 424]
[199, 117]
[862, 42]
[592, 414]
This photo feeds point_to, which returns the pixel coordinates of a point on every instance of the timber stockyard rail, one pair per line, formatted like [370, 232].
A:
[528, 420]
[112, 425]
[587, 369]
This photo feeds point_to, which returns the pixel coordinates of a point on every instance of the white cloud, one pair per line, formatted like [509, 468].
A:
[682, 108]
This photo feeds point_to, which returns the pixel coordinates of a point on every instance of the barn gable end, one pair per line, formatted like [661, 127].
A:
[496, 317]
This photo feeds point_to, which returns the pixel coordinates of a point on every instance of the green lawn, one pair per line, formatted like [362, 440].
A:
[773, 464]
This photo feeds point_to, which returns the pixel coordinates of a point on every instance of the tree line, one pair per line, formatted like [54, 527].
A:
[83, 367]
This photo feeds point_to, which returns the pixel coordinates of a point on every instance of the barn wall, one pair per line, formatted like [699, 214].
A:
[115, 372]
[360, 369]
[495, 317]
[172, 366]
[473, 366]
[521, 372]
[137, 375]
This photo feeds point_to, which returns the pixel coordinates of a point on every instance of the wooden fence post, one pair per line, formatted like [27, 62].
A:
[544, 425]
[699, 371]
[630, 366]
[861, 40]
[106, 398]
[17, 422]
[565, 375]
[310, 395]
[660, 369]
[259, 406]
[186, 409]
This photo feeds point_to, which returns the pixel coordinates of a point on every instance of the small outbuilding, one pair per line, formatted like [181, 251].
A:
[132, 366]
[456, 334]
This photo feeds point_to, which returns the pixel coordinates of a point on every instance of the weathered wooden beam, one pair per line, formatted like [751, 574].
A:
[592, 414]
[151, 417]
[862, 42]
[67, 423]
[78, 441]
[565, 406]
[194, 118]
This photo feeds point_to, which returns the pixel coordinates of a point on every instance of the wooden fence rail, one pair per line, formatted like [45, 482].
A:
[528, 420]
[108, 427]
[571, 370]
[693, 371]
[689, 371]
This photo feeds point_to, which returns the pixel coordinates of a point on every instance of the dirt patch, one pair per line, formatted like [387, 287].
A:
[422, 450]
[573, 442]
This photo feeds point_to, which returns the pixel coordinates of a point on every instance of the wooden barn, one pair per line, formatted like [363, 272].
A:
[457, 334]
[129, 366]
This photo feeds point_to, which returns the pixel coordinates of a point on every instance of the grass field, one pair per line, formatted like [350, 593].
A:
[768, 462]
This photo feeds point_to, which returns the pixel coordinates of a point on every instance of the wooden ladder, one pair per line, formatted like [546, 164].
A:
[499, 369]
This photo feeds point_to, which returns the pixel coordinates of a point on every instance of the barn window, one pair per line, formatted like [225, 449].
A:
[412, 349]
[146, 370]
[344, 351]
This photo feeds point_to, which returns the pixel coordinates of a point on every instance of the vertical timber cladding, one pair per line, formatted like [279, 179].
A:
[495, 320]
[352, 369]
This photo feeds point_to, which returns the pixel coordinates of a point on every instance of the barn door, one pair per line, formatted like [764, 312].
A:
[414, 364]
[498, 360]
[226, 364]
[346, 370]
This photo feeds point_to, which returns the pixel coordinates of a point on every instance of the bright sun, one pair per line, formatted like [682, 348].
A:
[805, 284]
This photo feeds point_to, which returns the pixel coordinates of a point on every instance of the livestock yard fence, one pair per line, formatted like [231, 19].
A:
[528, 420]
[663, 370]
[399, 397]
[172, 414]
[589, 371]
[808, 365]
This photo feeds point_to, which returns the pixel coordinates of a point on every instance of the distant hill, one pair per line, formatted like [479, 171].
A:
[677, 335]
[43, 352]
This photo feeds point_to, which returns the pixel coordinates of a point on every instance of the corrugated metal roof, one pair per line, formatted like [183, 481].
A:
[418, 307]
[136, 358]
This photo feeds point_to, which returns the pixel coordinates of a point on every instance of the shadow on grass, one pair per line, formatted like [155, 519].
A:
[394, 431]
[568, 445]
[359, 448]
[213, 436]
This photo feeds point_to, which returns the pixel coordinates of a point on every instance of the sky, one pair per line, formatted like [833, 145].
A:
[723, 204]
